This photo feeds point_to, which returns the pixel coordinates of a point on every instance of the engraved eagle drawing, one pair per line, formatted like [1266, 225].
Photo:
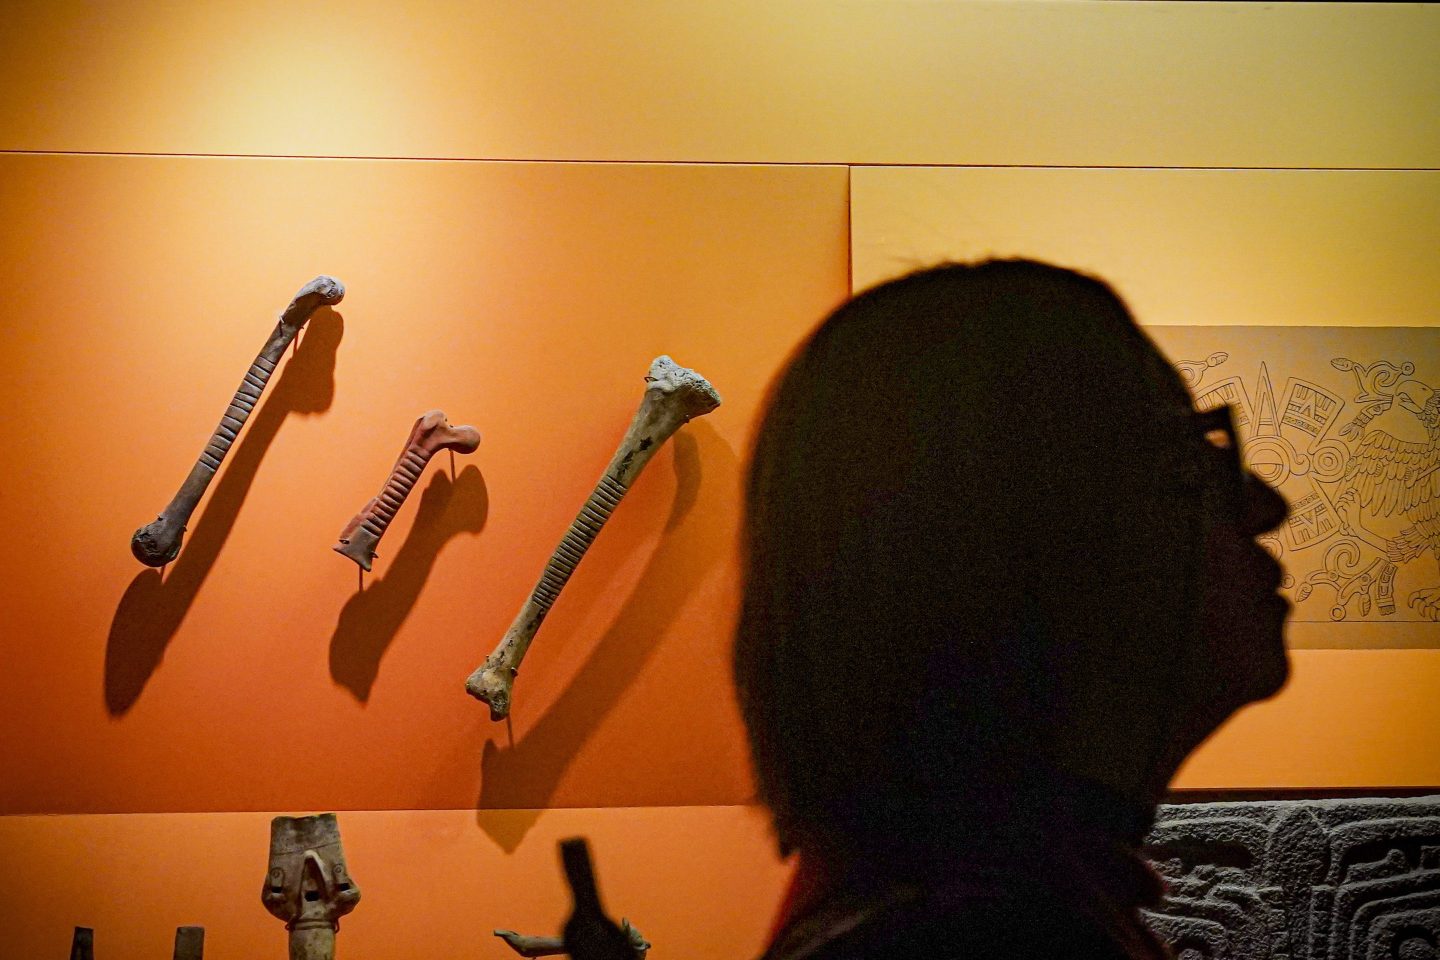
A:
[1387, 477]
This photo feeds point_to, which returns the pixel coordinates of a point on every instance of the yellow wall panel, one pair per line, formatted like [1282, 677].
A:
[700, 883]
[855, 81]
[526, 299]
[1210, 247]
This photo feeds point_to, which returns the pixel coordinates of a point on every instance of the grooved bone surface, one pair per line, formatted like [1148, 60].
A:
[674, 395]
[430, 434]
[158, 542]
[307, 884]
[1299, 879]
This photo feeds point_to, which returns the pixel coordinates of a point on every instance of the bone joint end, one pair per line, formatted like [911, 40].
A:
[490, 684]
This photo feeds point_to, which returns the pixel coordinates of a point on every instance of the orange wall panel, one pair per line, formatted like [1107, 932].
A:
[525, 299]
[700, 883]
[1034, 82]
[1347, 719]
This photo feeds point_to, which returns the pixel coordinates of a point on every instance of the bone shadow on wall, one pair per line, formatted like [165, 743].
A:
[152, 608]
[524, 776]
[371, 618]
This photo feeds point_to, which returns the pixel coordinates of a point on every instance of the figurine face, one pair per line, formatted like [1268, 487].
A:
[308, 884]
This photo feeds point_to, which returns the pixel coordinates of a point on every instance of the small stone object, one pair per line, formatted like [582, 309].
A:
[430, 434]
[308, 885]
[82, 944]
[189, 943]
[555, 946]
[673, 396]
[157, 543]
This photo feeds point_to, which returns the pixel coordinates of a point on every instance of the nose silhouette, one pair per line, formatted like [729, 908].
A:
[1265, 507]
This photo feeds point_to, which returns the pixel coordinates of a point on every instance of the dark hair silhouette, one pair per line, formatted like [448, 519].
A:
[972, 554]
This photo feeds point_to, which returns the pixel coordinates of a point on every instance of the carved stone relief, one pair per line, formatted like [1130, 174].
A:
[1345, 422]
[1300, 879]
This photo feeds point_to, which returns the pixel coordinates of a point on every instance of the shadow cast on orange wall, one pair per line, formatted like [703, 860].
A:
[523, 777]
[371, 618]
[155, 604]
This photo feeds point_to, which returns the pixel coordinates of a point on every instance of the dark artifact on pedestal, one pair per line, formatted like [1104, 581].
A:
[555, 946]
[430, 434]
[1299, 879]
[157, 543]
[307, 885]
[673, 397]
[189, 943]
[82, 944]
[589, 934]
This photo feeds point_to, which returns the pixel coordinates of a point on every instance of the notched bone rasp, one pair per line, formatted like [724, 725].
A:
[157, 543]
[673, 396]
[528, 946]
[431, 434]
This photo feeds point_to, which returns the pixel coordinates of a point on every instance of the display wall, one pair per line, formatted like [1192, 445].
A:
[526, 205]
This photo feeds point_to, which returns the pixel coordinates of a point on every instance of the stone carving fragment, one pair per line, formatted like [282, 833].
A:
[157, 543]
[673, 396]
[82, 944]
[430, 434]
[589, 933]
[1345, 423]
[308, 885]
[189, 943]
[1299, 879]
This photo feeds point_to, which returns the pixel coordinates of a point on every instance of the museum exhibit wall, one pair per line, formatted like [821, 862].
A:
[526, 204]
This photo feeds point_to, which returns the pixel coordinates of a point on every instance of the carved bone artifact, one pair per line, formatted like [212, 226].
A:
[555, 946]
[673, 396]
[307, 885]
[157, 543]
[430, 434]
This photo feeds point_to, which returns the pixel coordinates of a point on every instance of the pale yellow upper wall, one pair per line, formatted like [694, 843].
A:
[1184, 247]
[865, 81]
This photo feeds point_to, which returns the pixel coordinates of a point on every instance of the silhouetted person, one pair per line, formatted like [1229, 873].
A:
[1000, 580]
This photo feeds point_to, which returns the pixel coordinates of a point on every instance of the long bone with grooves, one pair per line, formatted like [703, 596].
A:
[157, 543]
[673, 396]
[430, 434]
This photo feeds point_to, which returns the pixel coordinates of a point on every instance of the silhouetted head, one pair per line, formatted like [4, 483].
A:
[984, 528]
